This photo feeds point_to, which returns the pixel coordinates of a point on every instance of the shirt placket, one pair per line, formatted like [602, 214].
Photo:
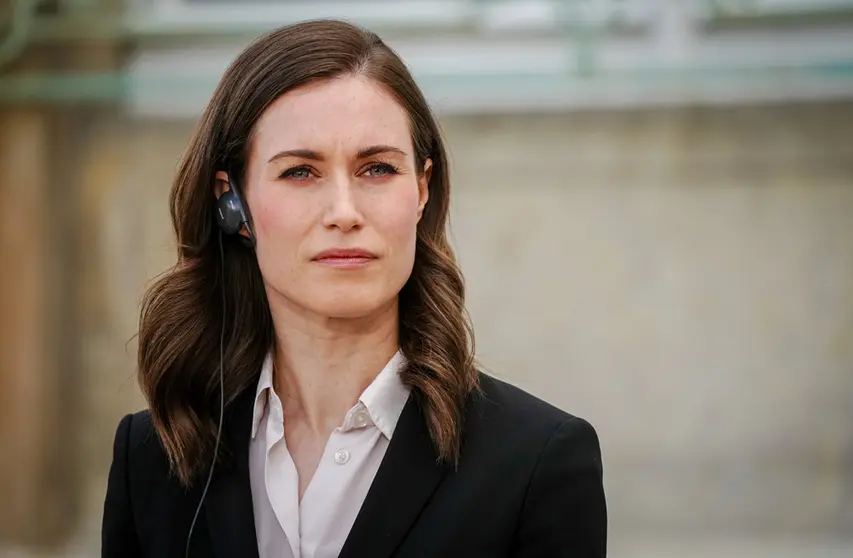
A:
[281, 478]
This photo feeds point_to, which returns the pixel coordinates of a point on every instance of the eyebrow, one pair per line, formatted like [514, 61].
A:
[315, 156]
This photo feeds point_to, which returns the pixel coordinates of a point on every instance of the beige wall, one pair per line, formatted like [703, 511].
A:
[23, 336]
[683, 279]
[39, 372]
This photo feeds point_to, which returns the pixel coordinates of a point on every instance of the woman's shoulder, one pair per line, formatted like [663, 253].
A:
[137, 429]
[512, 412]
[137, 443]
[548, 465]
[504, 399]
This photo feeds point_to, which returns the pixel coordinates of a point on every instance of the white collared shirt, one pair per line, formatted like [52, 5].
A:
[318, 526]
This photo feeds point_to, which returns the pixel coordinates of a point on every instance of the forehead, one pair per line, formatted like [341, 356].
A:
[338, 114]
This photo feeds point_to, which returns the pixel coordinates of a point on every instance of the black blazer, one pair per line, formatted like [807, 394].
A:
[528, 484]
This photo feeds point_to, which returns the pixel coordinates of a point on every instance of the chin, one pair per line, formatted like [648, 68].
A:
[336, 299]
[349, 302]
[349, 309]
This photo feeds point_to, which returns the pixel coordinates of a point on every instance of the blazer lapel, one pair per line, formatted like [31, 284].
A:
[230, 515]
[408, 475]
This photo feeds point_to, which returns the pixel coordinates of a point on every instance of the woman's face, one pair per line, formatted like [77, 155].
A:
[335, 198]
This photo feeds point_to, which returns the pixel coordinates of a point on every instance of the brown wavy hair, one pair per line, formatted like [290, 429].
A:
[183, 310]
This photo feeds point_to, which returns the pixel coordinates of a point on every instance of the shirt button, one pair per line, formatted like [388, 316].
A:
[341, 457]
[360, 419]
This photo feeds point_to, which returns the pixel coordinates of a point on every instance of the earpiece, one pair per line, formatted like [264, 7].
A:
[231, 214]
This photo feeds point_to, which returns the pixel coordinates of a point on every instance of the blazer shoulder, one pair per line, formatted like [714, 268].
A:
[142, 447]
[512, 407]
[139, 429]
[509, 429]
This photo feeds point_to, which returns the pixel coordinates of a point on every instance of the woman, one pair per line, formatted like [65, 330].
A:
[317, 301]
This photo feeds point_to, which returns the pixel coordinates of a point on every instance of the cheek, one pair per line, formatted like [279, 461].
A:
[396, 218]
[278, 226]
[271, 211]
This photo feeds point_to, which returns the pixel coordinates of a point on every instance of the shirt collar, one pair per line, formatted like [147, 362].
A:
[261, 394]
[384, 398]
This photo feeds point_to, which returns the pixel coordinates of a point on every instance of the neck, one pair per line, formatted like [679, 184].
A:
[322, 365]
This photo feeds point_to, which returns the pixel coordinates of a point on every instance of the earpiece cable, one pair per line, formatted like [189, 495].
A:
[221, 395]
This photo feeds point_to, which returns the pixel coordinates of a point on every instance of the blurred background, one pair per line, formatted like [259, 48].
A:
[653, 206]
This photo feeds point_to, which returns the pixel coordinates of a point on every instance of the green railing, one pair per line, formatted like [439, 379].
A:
[88, 20]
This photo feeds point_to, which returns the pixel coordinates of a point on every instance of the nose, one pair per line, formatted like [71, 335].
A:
[342, 211]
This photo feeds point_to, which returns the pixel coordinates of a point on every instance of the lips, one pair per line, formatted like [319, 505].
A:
[345, 258]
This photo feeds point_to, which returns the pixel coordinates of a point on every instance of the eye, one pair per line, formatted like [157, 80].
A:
[377, 170]
[297, 173]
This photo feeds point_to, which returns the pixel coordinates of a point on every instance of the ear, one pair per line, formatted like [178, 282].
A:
[220, 183]
[423, 187]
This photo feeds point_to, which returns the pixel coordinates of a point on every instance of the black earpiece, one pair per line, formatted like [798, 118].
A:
[231, 214]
